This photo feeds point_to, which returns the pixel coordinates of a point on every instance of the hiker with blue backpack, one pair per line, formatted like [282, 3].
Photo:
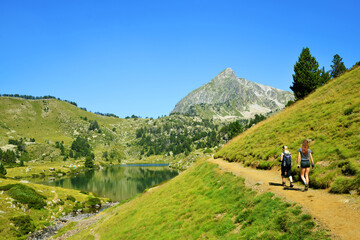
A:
[305, 156]
[286, 163]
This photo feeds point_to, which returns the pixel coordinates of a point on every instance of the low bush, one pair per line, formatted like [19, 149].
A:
[70, 198]
[322, 181]
[25, 195]
[342, 185]
[23, 224]
[93, 203]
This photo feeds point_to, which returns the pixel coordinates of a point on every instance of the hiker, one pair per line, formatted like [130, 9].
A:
[305, 156]
[286, 163]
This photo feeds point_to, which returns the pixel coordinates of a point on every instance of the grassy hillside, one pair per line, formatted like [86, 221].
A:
[21, 202]
[329, 118]
[53, 120]
[204, 203]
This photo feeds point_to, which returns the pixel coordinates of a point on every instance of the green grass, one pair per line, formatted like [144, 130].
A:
[205, 202]
[27, 199]
[329, 117]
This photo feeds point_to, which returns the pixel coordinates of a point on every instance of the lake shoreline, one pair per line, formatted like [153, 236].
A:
[59, 223]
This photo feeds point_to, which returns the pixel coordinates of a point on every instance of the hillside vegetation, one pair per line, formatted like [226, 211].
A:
[26, 207]
[329, 118]
[204, 203]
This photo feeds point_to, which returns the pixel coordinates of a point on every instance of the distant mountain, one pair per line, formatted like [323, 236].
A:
[227, 96]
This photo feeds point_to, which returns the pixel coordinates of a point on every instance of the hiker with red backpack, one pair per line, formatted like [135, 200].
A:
[286, 163]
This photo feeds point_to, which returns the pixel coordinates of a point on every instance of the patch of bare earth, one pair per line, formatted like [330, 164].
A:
[339, 213]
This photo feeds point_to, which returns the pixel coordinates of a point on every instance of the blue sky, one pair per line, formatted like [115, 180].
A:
[142, 57]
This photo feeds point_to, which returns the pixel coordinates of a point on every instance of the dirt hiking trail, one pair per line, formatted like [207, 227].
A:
[339, 213]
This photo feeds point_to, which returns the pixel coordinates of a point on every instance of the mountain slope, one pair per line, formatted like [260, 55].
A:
[50, 120]
[329, 118]
[227, 95]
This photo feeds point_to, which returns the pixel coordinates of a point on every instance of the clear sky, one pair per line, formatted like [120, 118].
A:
[142, 57]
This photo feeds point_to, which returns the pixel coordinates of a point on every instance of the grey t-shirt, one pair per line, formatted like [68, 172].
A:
[304, 157]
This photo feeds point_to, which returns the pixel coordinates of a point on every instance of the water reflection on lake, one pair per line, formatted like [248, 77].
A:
[118, 182]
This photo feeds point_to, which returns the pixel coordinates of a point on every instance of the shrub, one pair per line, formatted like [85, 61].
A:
[25, 195]
[78, 206]
[70, 198]
[322, 181]
[342, 185]
[24, 225]
[89, 162]
[92, 202]
[348, 168]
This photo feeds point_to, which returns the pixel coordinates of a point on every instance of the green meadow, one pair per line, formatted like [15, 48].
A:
[329, 118]
[204, 203]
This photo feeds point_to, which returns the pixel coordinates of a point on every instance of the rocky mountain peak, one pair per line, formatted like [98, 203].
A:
[227, 96]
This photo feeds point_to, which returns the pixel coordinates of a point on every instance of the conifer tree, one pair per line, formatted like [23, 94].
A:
[307, 75]
[2, 170]
[338, 68]
[89, 162]
[324, 76]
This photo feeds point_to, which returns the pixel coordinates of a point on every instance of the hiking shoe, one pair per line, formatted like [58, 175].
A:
[306, 187]
[291, 185]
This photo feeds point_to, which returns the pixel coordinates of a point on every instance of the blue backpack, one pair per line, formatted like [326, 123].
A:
[287, 160]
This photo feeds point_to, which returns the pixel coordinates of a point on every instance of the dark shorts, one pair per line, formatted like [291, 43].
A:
[305, 164]
[286, 170]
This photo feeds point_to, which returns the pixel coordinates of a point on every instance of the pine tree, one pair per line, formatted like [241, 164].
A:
[324, 76]
[338, 68]
[307, 75]
[2, 170]
[89, 162]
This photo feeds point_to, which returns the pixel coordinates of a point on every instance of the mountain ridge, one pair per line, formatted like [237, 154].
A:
[227, 96]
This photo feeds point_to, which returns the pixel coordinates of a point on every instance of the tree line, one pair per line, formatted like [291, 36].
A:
[308, 76]
[180, 134]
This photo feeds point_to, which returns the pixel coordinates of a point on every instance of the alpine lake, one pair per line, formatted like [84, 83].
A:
[119, 182]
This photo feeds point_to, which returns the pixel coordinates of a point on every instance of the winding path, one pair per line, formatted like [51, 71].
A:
[339, 213]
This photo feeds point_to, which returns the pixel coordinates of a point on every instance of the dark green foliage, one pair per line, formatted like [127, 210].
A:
[25, 157]
[338, 68]
[289, 103]
[106, 114]
[19, 143]
[81, 147]
[92, 202]
[232, 129]
[7, 156]
[94, 125]
[61, 147]
[307, 76]
[25, 195]
[23, 224]
[182, 134]
[77, 206]
[258, 118]
[324, 77]
[2, 170]
[89, 162]
[70, 198]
